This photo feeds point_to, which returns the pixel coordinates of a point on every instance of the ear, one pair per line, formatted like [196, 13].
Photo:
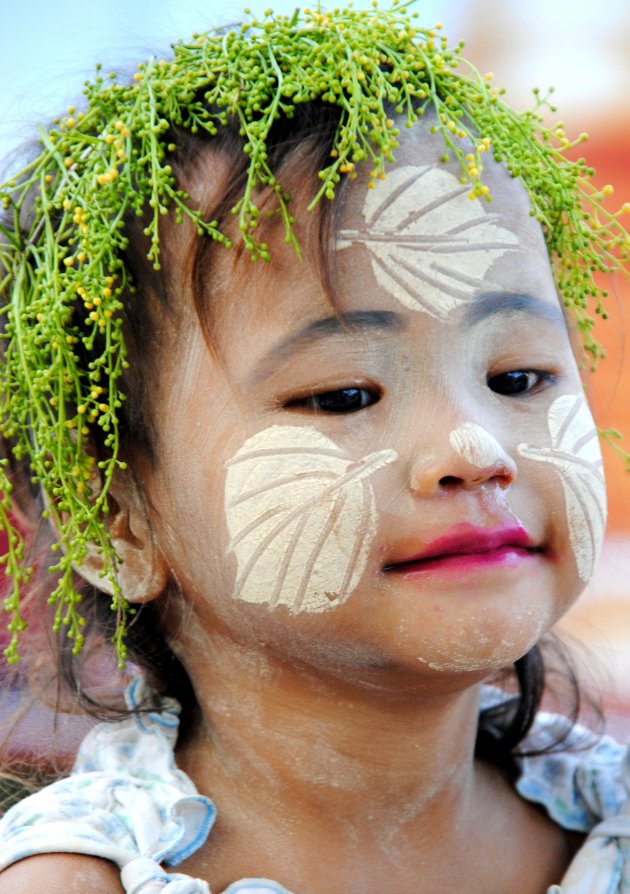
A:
[142, 571]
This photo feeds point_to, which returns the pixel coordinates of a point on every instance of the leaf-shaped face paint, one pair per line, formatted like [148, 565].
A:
[301, 516]
[476, 445]
[431, 247]
[576, 455]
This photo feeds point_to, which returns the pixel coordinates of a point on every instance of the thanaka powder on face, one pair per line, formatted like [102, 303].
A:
[431, 247]
[301, 516]
[575, 454]
[476, 445]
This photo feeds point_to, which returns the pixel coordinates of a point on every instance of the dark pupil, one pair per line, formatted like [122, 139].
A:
[340, 401]
[511, 382]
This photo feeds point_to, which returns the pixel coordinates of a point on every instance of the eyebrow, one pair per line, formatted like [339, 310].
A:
[356, 321]
[492, 303]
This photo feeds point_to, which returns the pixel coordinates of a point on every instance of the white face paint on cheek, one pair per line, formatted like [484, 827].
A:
[431, 247]
[301, 516]
[577, 458]
[476, 445]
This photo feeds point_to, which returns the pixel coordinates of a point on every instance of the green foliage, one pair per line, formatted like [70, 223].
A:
[60, 251]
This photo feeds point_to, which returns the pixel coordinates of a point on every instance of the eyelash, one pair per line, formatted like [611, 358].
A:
[501, 384]
[340, 400]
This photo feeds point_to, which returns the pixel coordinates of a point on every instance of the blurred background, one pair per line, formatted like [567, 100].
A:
[580, 48]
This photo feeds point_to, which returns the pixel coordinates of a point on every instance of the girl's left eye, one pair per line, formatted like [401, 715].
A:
[343, 400]
[518, 381]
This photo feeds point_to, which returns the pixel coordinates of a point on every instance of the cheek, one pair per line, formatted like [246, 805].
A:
[301, 517]
[573, 454]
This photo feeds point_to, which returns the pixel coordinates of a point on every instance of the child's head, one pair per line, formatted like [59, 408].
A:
[286, 424]
[315, 450]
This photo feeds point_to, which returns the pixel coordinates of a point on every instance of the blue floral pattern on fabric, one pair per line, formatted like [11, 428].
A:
[126, 801]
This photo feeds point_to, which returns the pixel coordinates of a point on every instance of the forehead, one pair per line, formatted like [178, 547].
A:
[416, 232]
[421, 182]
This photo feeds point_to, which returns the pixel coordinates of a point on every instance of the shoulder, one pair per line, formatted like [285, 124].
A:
[61, 874]
[582, 781]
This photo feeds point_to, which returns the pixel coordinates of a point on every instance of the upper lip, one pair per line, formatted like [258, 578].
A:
[468, 539]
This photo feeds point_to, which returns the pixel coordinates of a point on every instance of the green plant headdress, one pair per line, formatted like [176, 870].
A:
[63, 279]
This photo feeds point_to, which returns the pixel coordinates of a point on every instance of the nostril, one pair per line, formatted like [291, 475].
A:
[505, 476]
[449, 481]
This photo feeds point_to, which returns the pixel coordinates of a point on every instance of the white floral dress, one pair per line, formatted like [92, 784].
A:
[126, 801]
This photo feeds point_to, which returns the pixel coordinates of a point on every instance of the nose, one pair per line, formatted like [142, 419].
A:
[469, 457]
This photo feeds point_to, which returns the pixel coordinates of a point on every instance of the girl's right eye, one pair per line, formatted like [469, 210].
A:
[342, 400]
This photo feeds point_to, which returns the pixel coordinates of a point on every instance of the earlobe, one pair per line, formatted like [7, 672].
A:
[142, 570]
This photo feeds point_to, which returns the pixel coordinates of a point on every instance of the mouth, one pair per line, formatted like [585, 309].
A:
[467, 547]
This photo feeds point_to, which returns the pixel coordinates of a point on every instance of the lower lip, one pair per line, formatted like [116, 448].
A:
[460, 563]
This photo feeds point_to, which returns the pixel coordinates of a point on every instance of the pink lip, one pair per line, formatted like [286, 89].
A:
[467, 547]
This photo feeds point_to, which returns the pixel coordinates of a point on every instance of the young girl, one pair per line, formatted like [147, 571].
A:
[327, 497]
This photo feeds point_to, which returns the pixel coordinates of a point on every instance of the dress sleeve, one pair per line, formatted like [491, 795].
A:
[125, 801]
[585, 787]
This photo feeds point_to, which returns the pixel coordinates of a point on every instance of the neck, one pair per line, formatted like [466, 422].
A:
[326, 781]
[307, 738]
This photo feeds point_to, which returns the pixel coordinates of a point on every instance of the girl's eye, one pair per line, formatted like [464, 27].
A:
[344, 400]
[518, 381]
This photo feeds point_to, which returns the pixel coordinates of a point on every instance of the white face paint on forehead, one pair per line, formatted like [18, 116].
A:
[431, 247]
[476, 445]
[301, 516]
[577, 458]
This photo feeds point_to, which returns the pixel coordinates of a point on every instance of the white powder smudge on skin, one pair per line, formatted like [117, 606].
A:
[301, 516]
[431, 247]
[575, 454]
[476, 445]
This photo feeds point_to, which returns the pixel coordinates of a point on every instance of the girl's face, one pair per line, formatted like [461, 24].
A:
[411, 483]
